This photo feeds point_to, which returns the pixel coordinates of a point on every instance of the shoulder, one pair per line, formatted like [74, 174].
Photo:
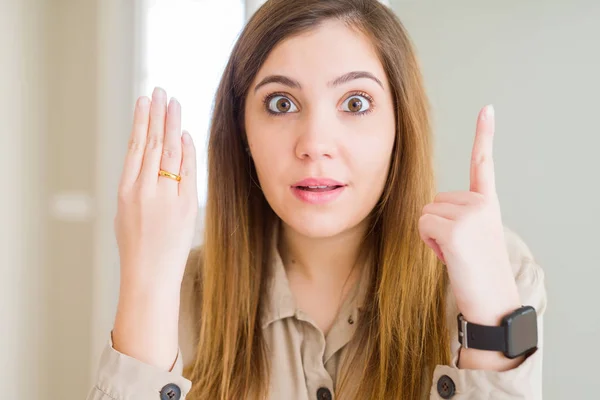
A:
[191, 296]
[528, 273]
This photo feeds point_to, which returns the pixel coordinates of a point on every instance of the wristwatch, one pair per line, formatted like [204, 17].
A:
[517, 334]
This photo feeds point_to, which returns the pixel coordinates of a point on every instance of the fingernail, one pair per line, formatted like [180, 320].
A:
[159, 93]
[173, 103]
[142, 102]
[186, 137]
[489, 111]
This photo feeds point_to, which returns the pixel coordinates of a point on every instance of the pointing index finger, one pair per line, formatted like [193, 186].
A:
[483, 179]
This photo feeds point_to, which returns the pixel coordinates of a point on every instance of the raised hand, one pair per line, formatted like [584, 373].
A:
[465, 230]
[154, 227]
[156, 215]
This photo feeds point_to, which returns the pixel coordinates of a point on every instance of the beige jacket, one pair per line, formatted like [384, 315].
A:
[305, 363]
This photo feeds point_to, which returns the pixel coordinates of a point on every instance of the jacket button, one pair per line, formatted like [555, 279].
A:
[170, 392]
[446, 387]
[324, 394]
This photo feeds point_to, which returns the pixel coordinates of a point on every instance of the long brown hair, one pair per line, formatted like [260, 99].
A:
[402, 334]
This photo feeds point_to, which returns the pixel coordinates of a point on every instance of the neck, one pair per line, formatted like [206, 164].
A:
[321, 260]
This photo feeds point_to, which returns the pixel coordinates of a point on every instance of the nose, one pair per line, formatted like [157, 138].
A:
[316, 140]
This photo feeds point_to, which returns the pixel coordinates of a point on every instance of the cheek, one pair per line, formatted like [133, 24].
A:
[371, 166]
[270, 157]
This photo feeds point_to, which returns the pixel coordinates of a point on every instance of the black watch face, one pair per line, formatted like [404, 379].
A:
[521, 332]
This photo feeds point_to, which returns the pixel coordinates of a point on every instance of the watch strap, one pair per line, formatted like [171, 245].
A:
[481, 337]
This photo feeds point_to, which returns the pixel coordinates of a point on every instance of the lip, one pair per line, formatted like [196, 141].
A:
[318, 182]
[318, 197]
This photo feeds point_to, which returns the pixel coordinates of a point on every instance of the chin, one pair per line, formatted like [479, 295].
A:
[319, 225]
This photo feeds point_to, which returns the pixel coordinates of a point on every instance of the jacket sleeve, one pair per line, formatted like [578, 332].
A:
[121, 377]
[522, 382]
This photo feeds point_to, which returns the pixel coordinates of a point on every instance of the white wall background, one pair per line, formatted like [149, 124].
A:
[70, 72]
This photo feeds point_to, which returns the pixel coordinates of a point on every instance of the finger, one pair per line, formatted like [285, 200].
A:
[436, 249]
[445, 210]
[482, 165]
[137, 143]
[154, 141]
[434, 227]
[189, 172]
[171, 153]
[458, 198]
[434, 230]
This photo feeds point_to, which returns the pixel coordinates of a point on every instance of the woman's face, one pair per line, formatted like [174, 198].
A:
[320, 124]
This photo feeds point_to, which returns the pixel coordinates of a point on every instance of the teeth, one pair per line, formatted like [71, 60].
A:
[318, 187]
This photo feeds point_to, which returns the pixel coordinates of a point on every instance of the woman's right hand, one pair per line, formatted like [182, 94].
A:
[154, 228]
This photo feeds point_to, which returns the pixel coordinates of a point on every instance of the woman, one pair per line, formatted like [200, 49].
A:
[328, 266]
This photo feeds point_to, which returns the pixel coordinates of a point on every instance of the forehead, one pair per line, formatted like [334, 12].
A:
[325, 52]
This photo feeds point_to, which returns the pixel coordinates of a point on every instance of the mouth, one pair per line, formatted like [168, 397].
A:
[318, 190]
[318, 184]
[324, 188]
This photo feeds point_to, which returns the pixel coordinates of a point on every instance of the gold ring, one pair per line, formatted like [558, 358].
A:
[167, 174]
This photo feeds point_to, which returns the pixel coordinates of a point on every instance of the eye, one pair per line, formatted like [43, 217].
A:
[356, 104]
[278, 104]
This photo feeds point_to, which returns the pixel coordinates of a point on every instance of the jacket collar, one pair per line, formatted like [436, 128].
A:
[279, 302]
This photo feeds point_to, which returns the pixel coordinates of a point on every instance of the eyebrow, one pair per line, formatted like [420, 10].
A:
[350, 76]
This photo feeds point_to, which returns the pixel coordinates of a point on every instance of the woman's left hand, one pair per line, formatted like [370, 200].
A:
[466, 232]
